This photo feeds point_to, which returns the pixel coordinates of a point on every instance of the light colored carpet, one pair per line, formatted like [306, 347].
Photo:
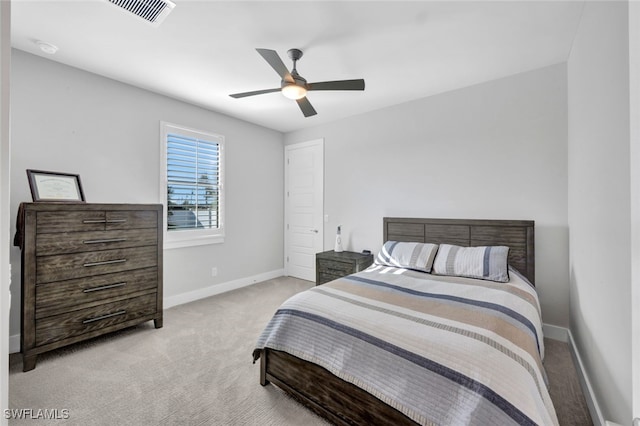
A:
[196, 370]
[564, 386]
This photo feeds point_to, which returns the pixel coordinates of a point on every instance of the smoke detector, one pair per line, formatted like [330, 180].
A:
[152, 11]
[46, 47]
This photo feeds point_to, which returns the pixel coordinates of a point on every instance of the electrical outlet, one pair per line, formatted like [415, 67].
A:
[214, 271]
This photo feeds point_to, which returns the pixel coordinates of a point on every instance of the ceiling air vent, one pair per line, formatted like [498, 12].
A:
[153, 11]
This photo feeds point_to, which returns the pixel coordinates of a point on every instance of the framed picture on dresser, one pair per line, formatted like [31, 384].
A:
[55, 186]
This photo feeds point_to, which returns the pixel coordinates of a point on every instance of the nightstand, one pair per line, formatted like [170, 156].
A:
[331, 265]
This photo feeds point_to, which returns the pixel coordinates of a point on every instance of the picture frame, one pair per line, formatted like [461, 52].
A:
[55, 186]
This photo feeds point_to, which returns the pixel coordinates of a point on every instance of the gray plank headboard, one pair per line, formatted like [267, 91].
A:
[517, 234]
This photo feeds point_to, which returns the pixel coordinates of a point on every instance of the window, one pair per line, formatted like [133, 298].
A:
[192, 186]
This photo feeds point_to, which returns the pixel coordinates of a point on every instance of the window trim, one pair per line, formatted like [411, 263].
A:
[191, 237]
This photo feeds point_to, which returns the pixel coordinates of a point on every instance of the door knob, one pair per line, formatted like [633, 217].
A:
[314, 230]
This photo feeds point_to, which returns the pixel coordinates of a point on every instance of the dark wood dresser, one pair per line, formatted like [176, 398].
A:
[331, 265]
[87, 269]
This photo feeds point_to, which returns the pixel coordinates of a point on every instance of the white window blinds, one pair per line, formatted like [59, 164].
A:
[193, 183]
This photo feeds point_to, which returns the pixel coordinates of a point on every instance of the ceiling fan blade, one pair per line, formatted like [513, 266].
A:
[256, 92]
[306, 107]
[272, 58]
[337, 85]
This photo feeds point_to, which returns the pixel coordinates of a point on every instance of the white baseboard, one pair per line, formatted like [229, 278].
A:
[564, 335]
[191, 296]
[201, 293]
[587, 389]
[555, 333]
[636, 422]
[14, 343]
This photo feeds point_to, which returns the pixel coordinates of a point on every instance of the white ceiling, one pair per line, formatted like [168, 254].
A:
[205, 50]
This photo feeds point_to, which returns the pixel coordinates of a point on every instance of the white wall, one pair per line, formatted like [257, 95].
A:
[634, 93]
[496, 150]
[599, 204]
[5, 218]
[65, 119]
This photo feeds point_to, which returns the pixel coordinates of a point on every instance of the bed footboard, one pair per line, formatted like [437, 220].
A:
[330, 397]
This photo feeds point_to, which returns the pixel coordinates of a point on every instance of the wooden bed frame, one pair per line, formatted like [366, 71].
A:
[343, 403]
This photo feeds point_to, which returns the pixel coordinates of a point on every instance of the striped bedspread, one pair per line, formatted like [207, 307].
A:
[442, 350]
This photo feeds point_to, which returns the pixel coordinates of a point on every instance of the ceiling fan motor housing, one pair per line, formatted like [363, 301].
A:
[297, 80]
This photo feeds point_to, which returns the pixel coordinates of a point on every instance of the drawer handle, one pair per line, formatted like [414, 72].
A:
[106, 262]
[103, 287]
[101, 317]
[104, 220]
[338, 270]
[110, 240]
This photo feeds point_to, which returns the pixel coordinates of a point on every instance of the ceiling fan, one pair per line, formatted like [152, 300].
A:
[294, 86]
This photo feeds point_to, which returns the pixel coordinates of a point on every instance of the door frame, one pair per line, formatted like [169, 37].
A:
[287, 149]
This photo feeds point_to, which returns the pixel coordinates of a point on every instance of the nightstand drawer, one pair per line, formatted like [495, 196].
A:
[335, 267]
[324, 277]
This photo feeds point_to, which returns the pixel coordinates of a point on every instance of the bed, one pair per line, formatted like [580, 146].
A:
[396, 345]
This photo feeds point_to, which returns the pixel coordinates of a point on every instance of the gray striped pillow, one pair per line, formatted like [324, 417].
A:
[417, 256]
[486, 262]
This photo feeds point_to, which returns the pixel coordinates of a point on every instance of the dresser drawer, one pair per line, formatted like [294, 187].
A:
[98, 220]
[70, 266]
[70, 221]
[74, 242]
[75, 323]
[61, 296]
[132, 219]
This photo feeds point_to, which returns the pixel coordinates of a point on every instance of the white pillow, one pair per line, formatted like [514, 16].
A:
[416, 256]
[485, 262]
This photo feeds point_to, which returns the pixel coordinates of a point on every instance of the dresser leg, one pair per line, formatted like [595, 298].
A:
[157, 322]
[29, 362]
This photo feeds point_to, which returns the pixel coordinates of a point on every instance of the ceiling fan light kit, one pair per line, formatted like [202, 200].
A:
[293, 91]
[293, 85]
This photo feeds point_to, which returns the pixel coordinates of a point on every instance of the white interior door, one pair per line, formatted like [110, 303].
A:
[304, 207]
